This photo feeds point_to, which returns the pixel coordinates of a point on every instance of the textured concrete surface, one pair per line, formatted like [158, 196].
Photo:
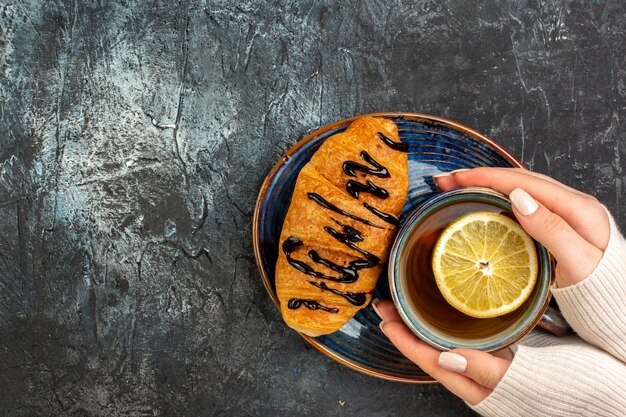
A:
[134, 136]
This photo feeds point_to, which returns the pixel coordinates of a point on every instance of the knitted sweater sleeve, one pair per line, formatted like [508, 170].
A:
[552, 376]
[596, 306]
[582, 374]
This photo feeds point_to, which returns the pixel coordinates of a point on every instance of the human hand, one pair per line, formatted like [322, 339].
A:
[573, 226]
[469, 374]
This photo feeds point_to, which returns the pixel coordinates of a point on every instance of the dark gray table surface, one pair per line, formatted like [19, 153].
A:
[134, 136]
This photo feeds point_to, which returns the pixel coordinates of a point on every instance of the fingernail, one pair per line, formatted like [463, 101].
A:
[452, 362]
[456, 171]
[442, 175]
[447, 174]
[375, 307]
[523, 202]
[382, 327]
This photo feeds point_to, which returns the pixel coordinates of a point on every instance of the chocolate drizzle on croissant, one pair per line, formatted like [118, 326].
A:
[292, 243]
[356, 298]
[349, 167]
[347, 271]
[354, 188]
[349, 237]
[349, 274]
[389, 218]
[295, 303]
[327, 204]
[396, 146]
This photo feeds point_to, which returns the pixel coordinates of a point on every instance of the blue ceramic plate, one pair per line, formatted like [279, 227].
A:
[435, 145]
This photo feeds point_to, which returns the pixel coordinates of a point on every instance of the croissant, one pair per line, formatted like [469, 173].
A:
[340, 225]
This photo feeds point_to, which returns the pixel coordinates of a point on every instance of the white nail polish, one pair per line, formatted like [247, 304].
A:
[382, 327]
[456, 171]
[374, 302]
[442, 175]
[523, 202]
[447, 174]
[452, 362]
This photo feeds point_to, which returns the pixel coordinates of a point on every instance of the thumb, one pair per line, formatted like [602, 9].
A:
[575, 256]
[482, 367]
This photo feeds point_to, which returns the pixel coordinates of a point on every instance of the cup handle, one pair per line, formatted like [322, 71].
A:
[554, 322]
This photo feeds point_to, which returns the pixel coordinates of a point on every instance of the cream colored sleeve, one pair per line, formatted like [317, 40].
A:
[578, 375]
[552, 376]
[596, 306]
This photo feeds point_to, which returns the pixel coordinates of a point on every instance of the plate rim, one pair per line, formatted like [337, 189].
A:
[286, 156]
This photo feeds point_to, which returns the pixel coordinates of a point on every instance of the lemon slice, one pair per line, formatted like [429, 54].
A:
[485, 264]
